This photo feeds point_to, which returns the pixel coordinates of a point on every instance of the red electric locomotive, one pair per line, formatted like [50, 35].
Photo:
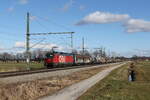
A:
[55, 59]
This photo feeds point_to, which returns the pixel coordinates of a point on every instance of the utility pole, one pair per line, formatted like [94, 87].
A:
[28, 34]
[83, 48]
[83, 45]
[72, 42]
[27, 41]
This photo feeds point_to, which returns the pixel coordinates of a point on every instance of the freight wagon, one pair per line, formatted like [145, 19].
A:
[59, 59]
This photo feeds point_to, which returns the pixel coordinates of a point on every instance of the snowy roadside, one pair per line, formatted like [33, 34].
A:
[74, 91]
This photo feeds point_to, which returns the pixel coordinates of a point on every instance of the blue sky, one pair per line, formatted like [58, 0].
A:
[122, 26]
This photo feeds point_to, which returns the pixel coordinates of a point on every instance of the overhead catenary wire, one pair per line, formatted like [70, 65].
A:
[46, 28]
[42, 25]
[54, 23]
[38, 18]
[28, 34]
[37, 43]
[51, 33]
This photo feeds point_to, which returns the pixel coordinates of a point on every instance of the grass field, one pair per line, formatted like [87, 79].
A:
[13, 66]
[116, 86]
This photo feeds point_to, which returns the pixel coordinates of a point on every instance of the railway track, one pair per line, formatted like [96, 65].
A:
[26, 72]
[18, 73]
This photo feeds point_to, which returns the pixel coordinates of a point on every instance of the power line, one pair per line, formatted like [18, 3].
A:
[51, 33]
[54, 23]
[37, 43]
[28, 34]
[46, 28]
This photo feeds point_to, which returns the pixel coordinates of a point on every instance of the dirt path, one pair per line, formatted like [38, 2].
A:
[74, 91]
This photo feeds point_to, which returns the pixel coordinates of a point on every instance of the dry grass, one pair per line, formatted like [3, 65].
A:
[14, 66]
[35, 89]
[116, 85]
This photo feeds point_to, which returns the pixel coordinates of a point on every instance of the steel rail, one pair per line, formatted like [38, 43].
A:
[25, 72]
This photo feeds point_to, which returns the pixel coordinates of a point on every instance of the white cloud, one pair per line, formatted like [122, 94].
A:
[131, 25]
[102, 17]
[141, 52]
[81, 7]
[138, 52]
[46, 46]
[10, 9]
[68, 5]
[33, 17]
[19, 45]
[137, 25]
[23, 2]
[20, 2]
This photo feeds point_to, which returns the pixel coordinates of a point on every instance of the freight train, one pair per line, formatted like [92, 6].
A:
[60, 59]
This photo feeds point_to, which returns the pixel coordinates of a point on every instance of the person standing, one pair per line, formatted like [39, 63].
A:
[131, 72]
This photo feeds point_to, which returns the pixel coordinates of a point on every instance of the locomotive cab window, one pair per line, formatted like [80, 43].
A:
[49, 55]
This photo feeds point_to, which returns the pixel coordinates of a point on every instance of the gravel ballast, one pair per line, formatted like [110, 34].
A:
[31, 77]
[39, 86]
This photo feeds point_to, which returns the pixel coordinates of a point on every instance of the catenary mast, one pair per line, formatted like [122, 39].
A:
[28, 34]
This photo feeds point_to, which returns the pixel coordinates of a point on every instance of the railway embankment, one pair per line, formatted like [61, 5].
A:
[74, 91]
[33, 86]
[47, 74]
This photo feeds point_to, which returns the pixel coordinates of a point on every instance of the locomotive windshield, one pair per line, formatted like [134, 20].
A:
[49, 55]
